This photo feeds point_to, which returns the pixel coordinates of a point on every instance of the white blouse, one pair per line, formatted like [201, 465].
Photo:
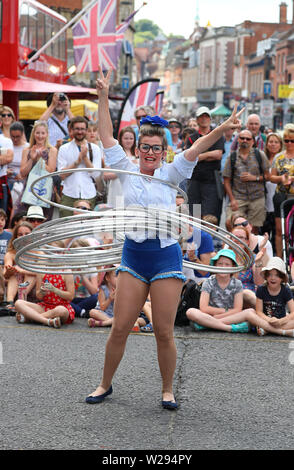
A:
[144, 192]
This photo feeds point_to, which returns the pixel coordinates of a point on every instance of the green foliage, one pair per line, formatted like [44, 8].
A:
[145, 25]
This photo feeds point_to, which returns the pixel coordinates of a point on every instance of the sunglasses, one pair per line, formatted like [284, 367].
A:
[156, 149]
[30, 219]
[287, 141]
[242, 224]
[174, 126]
[6, 115]
[245, 138]
[83, 207]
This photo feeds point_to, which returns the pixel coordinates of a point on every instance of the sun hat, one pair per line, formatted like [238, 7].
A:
[224, 252]
[203, 110]
[35, 212]
[276, 263]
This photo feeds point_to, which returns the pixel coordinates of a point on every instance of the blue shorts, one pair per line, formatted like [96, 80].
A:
[149, 262]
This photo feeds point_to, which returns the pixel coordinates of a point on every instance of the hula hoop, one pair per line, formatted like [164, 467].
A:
[34, 253]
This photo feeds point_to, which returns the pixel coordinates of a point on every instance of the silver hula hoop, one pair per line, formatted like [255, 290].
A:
[34, 252]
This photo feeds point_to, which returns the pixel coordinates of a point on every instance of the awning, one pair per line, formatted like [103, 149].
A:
[37, 86]
[34, 109]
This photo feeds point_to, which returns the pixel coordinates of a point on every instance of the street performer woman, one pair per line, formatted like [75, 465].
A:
[148, 265]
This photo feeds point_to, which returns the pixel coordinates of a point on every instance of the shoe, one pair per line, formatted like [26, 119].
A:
[99, 398]
[240, 327]
[136, 328]
[55, 322]
[170, 405]
[197, 327]
[260, 331]
[147, 328]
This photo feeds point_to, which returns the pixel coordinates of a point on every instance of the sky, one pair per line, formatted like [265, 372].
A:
[178, 16]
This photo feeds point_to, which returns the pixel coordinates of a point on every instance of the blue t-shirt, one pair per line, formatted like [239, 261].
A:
[4, 239]
[204, 244]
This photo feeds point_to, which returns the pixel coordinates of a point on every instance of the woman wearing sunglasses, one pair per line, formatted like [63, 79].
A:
[148, 265]
[282, 174]
[7, 117]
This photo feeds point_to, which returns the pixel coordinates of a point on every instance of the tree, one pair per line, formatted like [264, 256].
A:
[145, 25]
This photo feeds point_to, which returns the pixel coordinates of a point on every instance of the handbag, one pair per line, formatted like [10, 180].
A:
[42, 188]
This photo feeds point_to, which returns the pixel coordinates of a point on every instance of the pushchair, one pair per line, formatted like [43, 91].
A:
[287, 223]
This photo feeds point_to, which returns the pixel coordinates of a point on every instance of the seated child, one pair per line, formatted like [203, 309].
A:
[221, 300]
[273, 298]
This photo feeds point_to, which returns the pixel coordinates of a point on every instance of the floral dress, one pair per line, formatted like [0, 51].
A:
[51, 300]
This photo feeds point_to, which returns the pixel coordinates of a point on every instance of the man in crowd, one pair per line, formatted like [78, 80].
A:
[78, 154]
[202, 187]
[57, 115]
[253, 125]
[244, 180]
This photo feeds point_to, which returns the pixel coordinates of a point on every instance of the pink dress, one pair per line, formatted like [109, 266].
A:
[52, 300]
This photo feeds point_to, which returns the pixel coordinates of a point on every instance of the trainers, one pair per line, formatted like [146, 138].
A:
[240, 327]
[260, 331]
[197, 327]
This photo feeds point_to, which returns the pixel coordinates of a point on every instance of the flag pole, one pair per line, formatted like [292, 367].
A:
[65, 27]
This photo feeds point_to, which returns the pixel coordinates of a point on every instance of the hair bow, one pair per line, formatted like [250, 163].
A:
[154, 121]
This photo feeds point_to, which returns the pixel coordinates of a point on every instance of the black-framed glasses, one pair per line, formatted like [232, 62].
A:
[6, 115]
[156, 149]
[80, 129]
[287, 141]
[245, 138]
[242, 224]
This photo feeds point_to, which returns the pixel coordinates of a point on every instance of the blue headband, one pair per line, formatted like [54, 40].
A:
[154, 121]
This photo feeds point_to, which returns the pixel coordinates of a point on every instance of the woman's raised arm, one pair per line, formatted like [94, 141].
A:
[104, 120]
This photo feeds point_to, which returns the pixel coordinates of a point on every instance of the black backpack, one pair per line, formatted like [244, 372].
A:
[190, 297]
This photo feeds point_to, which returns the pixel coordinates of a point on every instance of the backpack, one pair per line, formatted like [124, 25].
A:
[233, 157]
[190, 297]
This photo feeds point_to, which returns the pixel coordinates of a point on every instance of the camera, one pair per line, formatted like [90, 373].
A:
[62, 97]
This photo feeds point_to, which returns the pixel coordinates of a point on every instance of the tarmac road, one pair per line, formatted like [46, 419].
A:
[235, 391]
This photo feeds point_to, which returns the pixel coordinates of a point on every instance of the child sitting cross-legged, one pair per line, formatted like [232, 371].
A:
[221, 301]
[272, 300]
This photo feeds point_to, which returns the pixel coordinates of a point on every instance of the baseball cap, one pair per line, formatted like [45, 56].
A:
[203, 110]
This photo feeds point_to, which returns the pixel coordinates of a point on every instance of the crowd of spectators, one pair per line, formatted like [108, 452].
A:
[240, 182]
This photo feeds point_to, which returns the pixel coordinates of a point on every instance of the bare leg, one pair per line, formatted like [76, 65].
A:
[31, 311]
[194, 314]
[130, 296]
[99, 317]
[165, 295]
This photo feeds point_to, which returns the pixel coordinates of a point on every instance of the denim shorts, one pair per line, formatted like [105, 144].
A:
[149, 262]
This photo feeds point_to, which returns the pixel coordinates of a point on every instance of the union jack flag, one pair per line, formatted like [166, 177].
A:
[94, 38]
[120, 31]
[143, 93]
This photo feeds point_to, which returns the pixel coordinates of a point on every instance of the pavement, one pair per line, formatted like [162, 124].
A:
[235, 391]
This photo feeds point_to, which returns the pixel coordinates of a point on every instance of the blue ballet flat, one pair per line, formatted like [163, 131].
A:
[99, 398]
[170, 405]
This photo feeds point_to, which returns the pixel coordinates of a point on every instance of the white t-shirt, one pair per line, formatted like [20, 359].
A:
[7, 144]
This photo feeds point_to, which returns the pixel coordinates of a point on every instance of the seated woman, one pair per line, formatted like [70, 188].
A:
[251, 277]
[55, 292]
[14, 274]
[256, 242]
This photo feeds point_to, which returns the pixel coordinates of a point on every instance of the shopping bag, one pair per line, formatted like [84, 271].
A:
[42, 188]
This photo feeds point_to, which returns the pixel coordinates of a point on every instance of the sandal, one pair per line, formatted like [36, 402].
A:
[92, 323]
[147, 328]
[20, 318]
[56, 323]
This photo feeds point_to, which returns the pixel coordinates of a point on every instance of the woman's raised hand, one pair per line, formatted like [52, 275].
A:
[233, 122]
[103, 82]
